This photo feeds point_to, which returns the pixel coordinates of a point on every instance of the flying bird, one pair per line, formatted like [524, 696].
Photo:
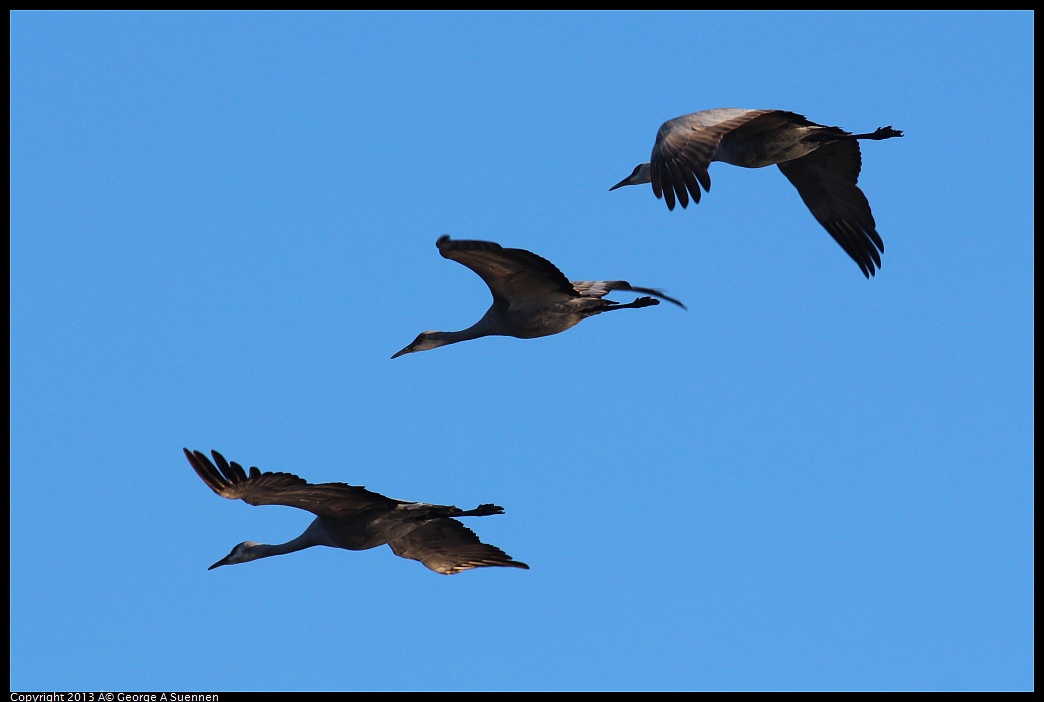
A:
[354, 518]
[822, 163]
[531, 297]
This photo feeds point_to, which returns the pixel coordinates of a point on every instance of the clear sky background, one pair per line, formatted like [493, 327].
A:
[223, 226]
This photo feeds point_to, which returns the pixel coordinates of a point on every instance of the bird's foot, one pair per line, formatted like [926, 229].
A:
[887, 133]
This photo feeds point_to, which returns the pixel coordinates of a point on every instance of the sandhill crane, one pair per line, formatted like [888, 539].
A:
[354, 518]
[822, 162]
[531, 297]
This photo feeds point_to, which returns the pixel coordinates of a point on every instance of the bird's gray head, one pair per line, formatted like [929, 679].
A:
[424, 341]
[241, 553]
[641, 174]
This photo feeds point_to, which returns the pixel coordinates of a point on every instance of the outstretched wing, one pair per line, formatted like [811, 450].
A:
[516, 277]
[229, 480]
[447, 546]
[685, 147]
[601, 288]
[826, 180]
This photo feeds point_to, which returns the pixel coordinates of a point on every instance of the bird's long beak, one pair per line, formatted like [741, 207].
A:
[640, 174]
[412, 346]
[223, 561]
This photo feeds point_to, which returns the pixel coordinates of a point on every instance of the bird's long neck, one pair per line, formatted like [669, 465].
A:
[489, 325]
[314, 535]
[451, 337]
[302, 542]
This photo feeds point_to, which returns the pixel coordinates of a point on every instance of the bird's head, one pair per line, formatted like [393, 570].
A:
[424, 341]
[241, 553]
[640, 174]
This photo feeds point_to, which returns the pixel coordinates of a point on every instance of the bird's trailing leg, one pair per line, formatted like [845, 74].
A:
[420, 512]
[879, 134]
[482, 511]
[640, 302]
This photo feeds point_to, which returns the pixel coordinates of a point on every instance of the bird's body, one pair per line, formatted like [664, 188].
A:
[353, 518]
[531, 297]
[822, 162]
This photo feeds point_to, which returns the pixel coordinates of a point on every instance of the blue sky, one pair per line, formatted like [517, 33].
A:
[223, 225]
